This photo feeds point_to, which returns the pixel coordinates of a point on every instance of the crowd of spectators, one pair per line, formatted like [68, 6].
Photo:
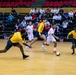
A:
[54, 15]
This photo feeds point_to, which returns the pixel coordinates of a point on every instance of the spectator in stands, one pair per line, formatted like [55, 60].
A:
[0, 23]
[34, 18]
[10, 17]
[65, 25]
[56, 10]
[52, 10]
[70, 14]
[42, 11]
[13, 11]
[36, 11]
[74, 10]
[50, 17]
[47, 23]
[46, 27]
[55, 16]
[75, 17]
[48, 10]
[52, 21]
[17, 25]
[61, 11]
[28, 17]
[23, 24]
[40, 16]
[59, 17]
[32, 10]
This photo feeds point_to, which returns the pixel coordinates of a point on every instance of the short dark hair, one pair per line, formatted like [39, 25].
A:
[53, 24]
[22, 31]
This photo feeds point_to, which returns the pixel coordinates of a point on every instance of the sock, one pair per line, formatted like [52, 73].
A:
[42, 45]
[54, 48]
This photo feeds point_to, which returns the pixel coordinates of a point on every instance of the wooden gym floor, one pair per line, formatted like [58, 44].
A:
[40, 62]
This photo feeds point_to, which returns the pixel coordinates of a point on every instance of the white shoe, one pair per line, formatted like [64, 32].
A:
[27, 48]
[43, 48]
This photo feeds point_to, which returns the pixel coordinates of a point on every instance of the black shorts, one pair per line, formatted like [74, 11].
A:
[10, 44]
[37, 34]
[74, 41]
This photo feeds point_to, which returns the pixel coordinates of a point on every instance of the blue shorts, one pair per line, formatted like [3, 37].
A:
[10, 44]
[74, 41]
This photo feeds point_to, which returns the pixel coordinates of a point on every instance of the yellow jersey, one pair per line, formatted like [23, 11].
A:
[17, 37]
[73, 33]
[40, 27]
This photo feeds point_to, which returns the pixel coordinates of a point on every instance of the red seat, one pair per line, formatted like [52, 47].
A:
[0, 3]
[4, 4]
[29, 4]
[70, 2]
[66, 2]
[51, 4]
[74, 4]
[16, 4]
[46, 4]
[12, 4]
[55, 4]
[60, 4]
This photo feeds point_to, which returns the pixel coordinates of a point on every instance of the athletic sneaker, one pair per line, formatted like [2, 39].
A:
[25, 56]
[27, 48]
[43, 48]
[73, 53]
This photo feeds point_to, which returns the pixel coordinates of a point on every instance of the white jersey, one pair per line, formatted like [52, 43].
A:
[30, 32]
[50, 32]
[50, 38]
[29, 29]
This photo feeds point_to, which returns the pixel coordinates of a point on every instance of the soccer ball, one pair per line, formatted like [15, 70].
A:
[58, 53]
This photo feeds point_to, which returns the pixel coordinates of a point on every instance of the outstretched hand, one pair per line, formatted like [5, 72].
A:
[57, 38]
[29, 46]
[7, 38]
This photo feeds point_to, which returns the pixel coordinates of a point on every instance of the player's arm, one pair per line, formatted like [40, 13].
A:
[27, 45]
[52, 33]
[9, 37]
[22, 41]
[55, 36]
[70, 33]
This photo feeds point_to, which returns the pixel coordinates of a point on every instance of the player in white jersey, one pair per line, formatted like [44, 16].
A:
[51, 37]
[29, 30]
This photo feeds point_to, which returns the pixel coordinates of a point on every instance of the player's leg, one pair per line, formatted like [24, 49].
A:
[30, 39]
[44, 42]
[73, 46]
[36, 36]
[55, 44]
[43, 37]
[48, 40]
[8, 46]
[34, 40]
[22, 51]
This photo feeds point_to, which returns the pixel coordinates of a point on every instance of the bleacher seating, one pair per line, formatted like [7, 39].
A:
[59, 3]
[16, 3]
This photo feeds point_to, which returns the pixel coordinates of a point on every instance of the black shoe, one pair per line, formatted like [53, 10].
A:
[72, 53]
[25, 56]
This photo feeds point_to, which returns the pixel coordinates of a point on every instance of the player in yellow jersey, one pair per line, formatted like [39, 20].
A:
[73, 34]
[14, 40]
[39, 33]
